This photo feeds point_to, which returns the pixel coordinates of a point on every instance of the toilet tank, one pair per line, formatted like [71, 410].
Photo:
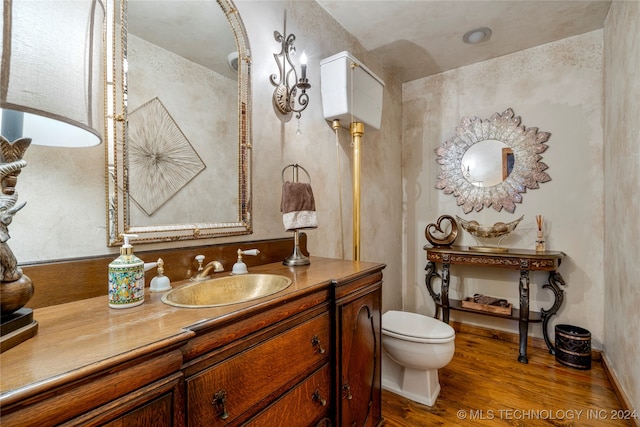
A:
[350, 94]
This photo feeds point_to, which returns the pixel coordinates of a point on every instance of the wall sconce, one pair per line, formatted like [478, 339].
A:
[51, 89]
[286, 82]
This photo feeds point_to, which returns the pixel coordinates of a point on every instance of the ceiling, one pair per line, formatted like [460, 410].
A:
[418, 38]
[184, 27]
[413, 38]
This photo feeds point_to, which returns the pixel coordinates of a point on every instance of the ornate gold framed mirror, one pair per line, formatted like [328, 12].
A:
[492, 162]
[178, 152]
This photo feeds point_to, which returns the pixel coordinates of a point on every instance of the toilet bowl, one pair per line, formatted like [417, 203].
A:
[414, 348]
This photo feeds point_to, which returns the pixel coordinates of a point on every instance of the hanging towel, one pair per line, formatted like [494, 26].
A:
[298, 206]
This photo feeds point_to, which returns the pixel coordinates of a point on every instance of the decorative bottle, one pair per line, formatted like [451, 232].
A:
[540, 246]
[126, 278]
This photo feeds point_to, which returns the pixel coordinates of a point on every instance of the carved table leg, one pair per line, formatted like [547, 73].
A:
[555, 279]
[432, 274]
[445, 288]
[524, 310]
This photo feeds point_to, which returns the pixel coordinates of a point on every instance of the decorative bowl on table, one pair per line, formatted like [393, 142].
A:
[499, 229]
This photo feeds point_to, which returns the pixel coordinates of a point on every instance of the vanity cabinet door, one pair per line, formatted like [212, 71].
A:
[358, 380]
[235, 389]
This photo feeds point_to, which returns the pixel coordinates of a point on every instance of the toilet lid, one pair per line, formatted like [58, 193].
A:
[415, 325]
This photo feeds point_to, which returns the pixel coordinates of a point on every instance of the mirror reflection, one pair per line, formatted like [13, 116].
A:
[184, 168]
[482, 163]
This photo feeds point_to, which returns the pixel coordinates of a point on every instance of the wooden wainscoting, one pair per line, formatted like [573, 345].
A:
[59, 282]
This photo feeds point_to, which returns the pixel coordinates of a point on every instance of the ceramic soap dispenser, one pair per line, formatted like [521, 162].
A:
[126, 278]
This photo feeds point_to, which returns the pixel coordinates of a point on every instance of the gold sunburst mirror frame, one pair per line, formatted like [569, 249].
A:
[521, 148]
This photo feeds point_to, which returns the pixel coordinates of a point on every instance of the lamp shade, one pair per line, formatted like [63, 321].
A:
[51, 70]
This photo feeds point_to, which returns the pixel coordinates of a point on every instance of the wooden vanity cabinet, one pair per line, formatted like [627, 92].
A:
[147, 391]
[307, 358]
[285, 376]
[358, 389]
[320, 366]
[301, 407]
[159, 405]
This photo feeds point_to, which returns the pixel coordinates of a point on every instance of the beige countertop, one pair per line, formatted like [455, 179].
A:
[81, 337]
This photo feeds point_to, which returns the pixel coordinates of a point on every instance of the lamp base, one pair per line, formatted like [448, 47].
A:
[14, 294]
[16, 328]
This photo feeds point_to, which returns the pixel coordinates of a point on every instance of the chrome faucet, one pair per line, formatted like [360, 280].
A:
[203, 272]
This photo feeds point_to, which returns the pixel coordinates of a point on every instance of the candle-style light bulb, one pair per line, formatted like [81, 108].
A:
[303, 61]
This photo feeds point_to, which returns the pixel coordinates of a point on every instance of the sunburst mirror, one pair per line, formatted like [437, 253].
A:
[492, 162]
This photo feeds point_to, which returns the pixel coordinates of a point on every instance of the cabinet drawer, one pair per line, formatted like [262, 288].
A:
[157, 413]
[235, 385]
[302, 406]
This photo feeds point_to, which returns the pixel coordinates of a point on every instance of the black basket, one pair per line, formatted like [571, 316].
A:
[573, 346]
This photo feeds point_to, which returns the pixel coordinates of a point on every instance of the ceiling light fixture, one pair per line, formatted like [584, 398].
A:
[232, 60]
[478, 35]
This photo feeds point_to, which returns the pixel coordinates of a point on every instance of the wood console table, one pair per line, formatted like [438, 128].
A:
[515, 259]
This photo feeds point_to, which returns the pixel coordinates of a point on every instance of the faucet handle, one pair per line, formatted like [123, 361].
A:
[240, 267]
[200, 259]
[250, 252]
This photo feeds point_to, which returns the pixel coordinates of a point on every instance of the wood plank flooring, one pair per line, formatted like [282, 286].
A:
[485, 385]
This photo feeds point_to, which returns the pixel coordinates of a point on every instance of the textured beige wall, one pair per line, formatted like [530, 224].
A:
[65, 216]
[557, 88]
[622, 183]
[277, 145]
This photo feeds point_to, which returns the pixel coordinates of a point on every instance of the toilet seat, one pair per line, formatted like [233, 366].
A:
[416, 328]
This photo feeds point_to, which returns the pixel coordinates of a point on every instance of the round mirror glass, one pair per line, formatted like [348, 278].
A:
[482, 163]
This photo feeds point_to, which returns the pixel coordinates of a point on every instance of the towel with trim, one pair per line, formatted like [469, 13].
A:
[298, 206]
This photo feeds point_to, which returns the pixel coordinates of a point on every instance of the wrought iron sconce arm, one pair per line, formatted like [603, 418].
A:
[286, 98]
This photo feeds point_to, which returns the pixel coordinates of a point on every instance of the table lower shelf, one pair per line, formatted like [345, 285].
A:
[456, 304]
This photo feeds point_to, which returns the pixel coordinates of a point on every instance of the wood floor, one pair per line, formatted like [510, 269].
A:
[485, 385]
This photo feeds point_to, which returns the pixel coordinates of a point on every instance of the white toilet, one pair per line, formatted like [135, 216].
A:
[414, 347]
